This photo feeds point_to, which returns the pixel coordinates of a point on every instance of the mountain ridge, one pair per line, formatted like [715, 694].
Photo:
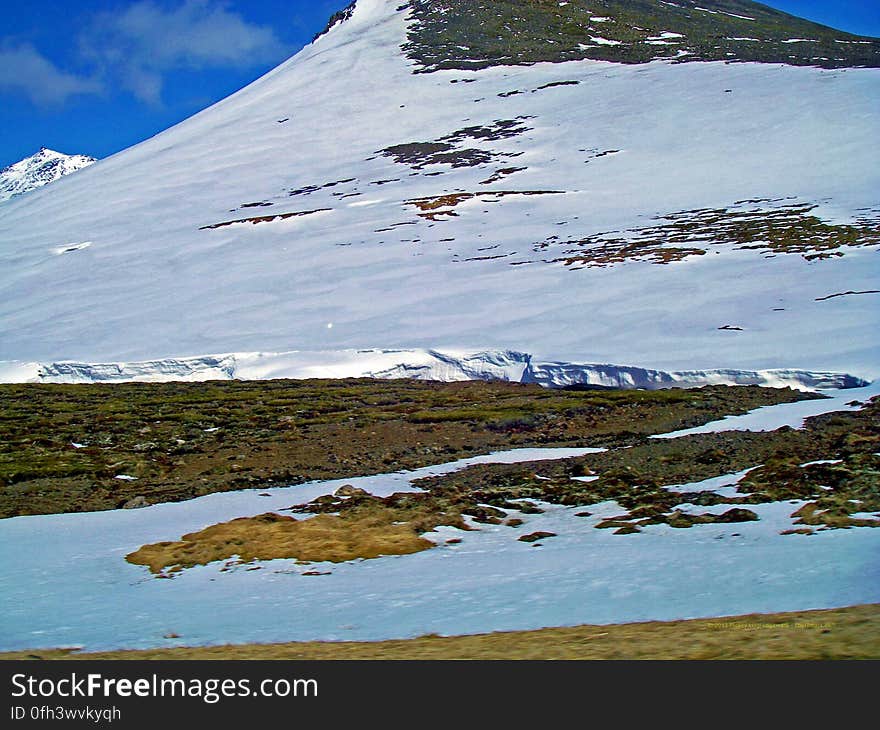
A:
[466, 35]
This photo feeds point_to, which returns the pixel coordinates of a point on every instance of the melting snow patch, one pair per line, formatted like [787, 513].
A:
[713, 484]
[498, 583]
[721, 12]
[770, 418]
[604, 41]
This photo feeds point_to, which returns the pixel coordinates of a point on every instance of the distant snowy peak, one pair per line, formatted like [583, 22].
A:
[37, 170]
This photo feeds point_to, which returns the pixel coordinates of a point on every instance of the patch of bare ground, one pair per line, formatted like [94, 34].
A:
[447, 150]
[370, 528]
[61, 446]
[266, 218]
[499, 175]
[765, 226]
[642, 479]
[842, 633]
[846, 294]
[435, 208]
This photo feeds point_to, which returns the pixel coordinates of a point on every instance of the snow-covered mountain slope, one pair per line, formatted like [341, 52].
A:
[37, 170]
[662, 215]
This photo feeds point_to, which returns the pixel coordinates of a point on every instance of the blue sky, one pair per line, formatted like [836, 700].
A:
[96, 76]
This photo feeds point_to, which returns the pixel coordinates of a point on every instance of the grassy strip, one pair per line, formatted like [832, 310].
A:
[844, 633]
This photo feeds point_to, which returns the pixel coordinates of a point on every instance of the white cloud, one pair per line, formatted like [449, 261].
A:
[26, 70]
[138, 46]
